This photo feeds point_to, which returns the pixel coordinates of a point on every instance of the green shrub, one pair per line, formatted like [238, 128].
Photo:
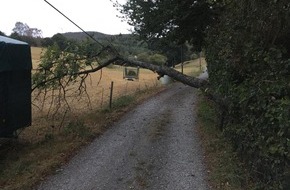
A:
[123, 101]
[77, 128]
[250, 67]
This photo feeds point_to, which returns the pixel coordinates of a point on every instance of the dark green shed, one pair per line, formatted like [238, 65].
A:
[15, 85]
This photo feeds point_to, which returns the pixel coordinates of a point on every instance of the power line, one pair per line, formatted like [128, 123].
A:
[74, 23]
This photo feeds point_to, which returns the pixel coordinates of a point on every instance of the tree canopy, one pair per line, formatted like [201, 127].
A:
[23, 32]
[179, 21]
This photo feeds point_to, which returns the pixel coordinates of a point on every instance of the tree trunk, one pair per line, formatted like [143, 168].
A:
[163, 70]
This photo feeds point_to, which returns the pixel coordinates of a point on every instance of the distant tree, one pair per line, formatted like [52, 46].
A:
[2, 33]
[158, 59]
[144, 56]
[46, 42]
[154, 58]
[60, 40]
[16, 36]
[34, 32]
[22, 29]
[24, 33]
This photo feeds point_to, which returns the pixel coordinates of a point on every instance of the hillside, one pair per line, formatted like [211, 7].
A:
[80, 36]
[127, 44]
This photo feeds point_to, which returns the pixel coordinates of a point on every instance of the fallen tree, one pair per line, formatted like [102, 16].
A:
[72, 67]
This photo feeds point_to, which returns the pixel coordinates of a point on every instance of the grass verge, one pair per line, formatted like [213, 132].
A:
[225, 171]
[25, 163]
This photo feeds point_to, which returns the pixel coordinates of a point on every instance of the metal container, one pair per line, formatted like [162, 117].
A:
[15, 85]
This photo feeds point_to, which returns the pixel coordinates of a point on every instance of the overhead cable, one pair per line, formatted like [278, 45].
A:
[74, 23]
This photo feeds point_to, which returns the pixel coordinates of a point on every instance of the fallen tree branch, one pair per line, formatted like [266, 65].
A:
[110, 61]
[163, 70]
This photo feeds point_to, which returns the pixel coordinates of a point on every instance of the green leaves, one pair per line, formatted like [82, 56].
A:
[249, 65]
[59, 67]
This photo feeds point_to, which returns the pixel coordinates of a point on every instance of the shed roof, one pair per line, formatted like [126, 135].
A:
[14, 55]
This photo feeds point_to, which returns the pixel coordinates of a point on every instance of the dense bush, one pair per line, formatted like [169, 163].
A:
[248, 58]
[153, 58]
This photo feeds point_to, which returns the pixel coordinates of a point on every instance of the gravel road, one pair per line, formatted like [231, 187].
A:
[154, 146]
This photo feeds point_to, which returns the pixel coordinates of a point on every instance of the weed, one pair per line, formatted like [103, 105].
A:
[123, 101]
[158, 127]
[77, 128]
[225, 169]
[48, 136]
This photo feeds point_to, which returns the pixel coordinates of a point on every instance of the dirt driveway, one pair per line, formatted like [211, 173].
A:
[154, 146]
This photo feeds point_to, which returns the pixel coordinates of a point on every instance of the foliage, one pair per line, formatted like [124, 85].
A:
[62, 74]
[123, 101]
[225, 170]
[23, 32]
[60, 40]
[177, 20]
[248, 63]
[2, 33]
[168, 25]
[23, 29]
[46, 42]
[156, 58]
[77, 128]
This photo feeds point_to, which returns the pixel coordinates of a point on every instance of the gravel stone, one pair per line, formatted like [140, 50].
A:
[154, 146]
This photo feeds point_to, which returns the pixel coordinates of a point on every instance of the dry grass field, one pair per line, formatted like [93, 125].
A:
[98, 94]
[97, 98]
[99, 83]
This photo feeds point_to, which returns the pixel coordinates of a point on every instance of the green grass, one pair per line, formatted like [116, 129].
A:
[123, 101]
[225, 170]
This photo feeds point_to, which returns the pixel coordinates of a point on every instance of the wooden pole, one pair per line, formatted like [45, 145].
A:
[181, 57]
[111, 94]
[102, 98]
[200, 60]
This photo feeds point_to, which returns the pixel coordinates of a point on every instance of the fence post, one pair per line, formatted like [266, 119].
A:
[200, 61]
[102, 100]
[111, 94]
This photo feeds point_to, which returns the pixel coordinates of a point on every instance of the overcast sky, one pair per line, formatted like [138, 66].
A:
[91, 15]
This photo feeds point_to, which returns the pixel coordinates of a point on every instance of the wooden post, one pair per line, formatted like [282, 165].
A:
[200, 61]
[181, 59]
[102, 98]
[111, 94]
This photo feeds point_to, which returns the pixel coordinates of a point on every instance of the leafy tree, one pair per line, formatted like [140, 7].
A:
[179, 21]
[23, 32]
[158, 59]
[16, 36]
[248, 63]
[153, 58]
[46, 42]
[60, 40]
[23, 29]
[20, 28]
[2, 33]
